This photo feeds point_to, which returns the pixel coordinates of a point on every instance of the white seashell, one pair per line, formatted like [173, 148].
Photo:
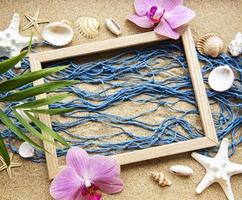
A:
[210, 44]
[235, 46]
[181, 170]
[160, 178]
[58, 33]
[221, 78]
[26, 150]
[113, 26]
[88, 27]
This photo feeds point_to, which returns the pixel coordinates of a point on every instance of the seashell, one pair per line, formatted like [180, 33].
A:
[26, 150]
[160, 178]
[181, 170]
[113, 26]
[235, 46]
[221, 78]
[58, 33]
[210, 44]
[88, 27]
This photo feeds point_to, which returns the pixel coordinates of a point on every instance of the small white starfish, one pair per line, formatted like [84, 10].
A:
[9, 168]
[35, 21]
[218, 169]
[11, 42]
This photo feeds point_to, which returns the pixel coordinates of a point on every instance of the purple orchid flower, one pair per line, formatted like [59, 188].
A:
[168, 15]
[84, 177]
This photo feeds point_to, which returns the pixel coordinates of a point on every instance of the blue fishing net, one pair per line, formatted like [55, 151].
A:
[137, 99]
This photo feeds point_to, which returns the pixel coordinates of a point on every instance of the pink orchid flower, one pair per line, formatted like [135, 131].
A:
[168, 15]
[84, 177]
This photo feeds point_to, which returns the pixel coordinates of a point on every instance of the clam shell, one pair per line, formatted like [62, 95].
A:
[88, 27]
[58, 33]
[181, 170]
[210, 44]
[26, 150]
[113, 26]
[221, 78]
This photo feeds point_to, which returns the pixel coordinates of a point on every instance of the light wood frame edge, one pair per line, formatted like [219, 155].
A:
[210, 138]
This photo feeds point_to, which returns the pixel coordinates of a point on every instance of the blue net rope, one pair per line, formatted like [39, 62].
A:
[156, 76]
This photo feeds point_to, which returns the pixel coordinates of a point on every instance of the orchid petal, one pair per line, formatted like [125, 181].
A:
[66, 184]
[79, 160]
[179, 16]
[169, 5]
[104, 173]
[143, 22]
[163, 28]
[142, 6]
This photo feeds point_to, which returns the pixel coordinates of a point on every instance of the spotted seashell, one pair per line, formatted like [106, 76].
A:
[88, 27]
[160, 178]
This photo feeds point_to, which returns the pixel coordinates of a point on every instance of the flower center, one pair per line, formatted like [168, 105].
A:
[155, 14]
[91, 192]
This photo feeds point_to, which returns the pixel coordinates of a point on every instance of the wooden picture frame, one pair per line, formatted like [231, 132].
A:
[210, 137]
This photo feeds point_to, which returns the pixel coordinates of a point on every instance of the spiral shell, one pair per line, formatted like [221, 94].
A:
[88, 27]
[160, 178]
[210, 44]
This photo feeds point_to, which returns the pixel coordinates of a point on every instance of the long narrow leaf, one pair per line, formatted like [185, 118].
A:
[48, 130]
[4, 152]
[57, 111]
[28, 78]
[30, 128]
[4, 118]
[43, 102]
[10, 63]
[31, 92]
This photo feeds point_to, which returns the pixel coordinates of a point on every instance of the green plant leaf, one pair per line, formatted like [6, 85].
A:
[48, 130]
[30, 128]
[57, 111]
[4, 152]
[31, 92]
[4, 118]
[43, 102]
[28, 78]
[11, 62]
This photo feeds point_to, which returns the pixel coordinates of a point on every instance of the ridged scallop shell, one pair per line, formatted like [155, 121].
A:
[88, 27]
[221, 78]
[26, 150]
[210, 44]
[160, 178]
[181, 170]
[58, 33]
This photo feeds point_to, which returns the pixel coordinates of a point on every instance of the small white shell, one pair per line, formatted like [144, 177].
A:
[221, 78]
[181, 170]
[113, 26]
[235, 46]
[26, 150]
[88, 27]
[58, 33]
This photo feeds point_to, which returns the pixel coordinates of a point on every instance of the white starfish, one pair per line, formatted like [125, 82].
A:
[11, 42]
[219, 169]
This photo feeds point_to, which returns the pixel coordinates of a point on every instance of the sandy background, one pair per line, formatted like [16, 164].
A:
[31, 181]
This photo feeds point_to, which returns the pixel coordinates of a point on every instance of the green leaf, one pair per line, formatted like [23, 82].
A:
[10, 63]
[28, 78]
[4, 152]
[30, 128]
[57, 111]
[43, 102]
[4, 118]
[31, 92]
[48, 130]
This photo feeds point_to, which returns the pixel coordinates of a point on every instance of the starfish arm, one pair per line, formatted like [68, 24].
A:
[9, 172]
[205, 182]
[42, 21]
[226, 186]
[27, 26]
[234, 168]
[3, 167]
[203, 160]
[223, 149]
[15, 22]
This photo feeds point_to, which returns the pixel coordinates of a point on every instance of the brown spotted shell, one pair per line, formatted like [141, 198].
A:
[88, 27]
[210, 44]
